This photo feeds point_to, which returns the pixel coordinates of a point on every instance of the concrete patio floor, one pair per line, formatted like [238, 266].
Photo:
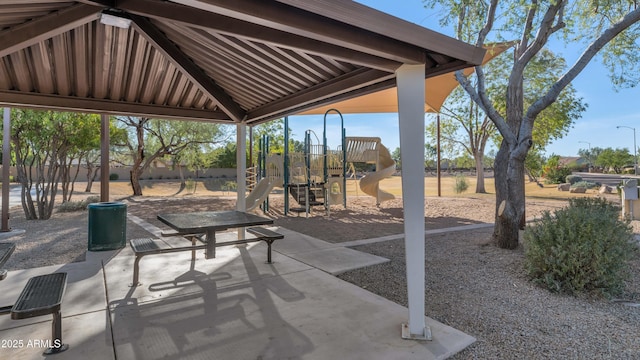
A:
[232, 307]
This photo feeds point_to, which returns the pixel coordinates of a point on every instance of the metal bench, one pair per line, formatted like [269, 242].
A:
[149, 246]
[6, 249]
[41, 296]
[266, 235]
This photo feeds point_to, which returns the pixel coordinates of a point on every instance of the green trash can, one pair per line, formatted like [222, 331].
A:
[107, 226]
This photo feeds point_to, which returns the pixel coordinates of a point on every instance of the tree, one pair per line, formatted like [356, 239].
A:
[463, 125]
[534, 23]
[468, 126]
[46, 145]
[151, 139]
[590, 154]
[614, 159]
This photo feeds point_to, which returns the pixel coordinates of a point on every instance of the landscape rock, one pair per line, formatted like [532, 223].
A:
[564, 187]
[605, 189]
[578, 190]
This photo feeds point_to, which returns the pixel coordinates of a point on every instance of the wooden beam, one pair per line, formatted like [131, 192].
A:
[105, 3]
[43, 28]
[329, 89]
[87, 105]
[208, 21]
[188, 68]
[294, 20]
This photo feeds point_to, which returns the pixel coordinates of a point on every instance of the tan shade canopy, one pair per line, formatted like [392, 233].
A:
[437, 89]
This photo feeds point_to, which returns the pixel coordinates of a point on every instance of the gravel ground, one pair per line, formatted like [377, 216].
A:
[474, 287]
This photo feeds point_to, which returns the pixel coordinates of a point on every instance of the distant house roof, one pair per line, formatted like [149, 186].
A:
[568, 160]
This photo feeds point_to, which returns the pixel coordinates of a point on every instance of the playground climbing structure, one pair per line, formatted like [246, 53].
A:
[317, 176]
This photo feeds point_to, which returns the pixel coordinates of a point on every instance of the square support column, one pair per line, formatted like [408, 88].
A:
[6, 161]
[104, 158]
[410, 82]
[241, 171]
[241, 165]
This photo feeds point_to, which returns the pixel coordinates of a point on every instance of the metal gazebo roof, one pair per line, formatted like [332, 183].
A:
[214, 60]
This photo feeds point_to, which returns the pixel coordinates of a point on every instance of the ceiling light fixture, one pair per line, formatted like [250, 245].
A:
[115, 20]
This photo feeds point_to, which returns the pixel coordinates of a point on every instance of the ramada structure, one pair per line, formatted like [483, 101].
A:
[239, 62]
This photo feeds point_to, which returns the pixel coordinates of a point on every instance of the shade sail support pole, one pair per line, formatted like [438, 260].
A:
[411, 90]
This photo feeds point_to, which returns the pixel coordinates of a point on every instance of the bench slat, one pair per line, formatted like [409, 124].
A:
[42, 295]
[264, 233]
[146, 246]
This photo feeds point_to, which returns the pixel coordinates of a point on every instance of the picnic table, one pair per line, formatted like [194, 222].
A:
[209, 222]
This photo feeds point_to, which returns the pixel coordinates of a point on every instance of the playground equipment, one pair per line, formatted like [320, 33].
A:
[273, 178]
[370, 150]
[318, 175]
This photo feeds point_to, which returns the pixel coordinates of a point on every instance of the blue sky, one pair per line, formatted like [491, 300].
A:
[606, 107]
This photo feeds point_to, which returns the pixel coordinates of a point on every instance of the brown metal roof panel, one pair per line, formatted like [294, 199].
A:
[43, 68]
[177, 90]
[5, 77]
[228, 77]
[161, 96]
[226, 64]
[118, 72]
[80, 68]
[14, 12]
[102, 44]
[154, 73]
[20, 67]
[259, 72]
[136, 63]
[61, 58]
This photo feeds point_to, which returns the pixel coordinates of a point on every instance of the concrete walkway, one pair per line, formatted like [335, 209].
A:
[233, 307]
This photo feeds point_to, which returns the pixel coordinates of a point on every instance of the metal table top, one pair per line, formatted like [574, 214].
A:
[202, 221]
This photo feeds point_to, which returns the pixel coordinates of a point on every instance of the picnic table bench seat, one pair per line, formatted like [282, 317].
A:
[149, 246]
[42, 295]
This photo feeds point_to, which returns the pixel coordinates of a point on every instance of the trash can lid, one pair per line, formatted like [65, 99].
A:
[107, 204]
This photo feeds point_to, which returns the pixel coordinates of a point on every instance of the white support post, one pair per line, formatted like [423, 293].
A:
[6, 160]
[241, 170]
[410, 82]
[104, 158]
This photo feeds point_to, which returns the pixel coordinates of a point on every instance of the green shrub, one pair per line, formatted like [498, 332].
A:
[572, 179]
[587, 184]
[581, 248]
[556, 175]
[113, 176]
[461, 184]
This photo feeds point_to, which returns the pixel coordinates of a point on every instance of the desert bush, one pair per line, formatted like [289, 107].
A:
[113, 176]
[587, 184]
[190, 185]
[461, 185]
[572, 179]
[71, 206]
[584, 247]
[556, 175]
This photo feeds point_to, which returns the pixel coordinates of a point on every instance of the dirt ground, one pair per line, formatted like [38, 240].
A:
[467, 286]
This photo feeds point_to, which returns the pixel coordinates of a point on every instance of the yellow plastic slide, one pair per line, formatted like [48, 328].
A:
[370, 183]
